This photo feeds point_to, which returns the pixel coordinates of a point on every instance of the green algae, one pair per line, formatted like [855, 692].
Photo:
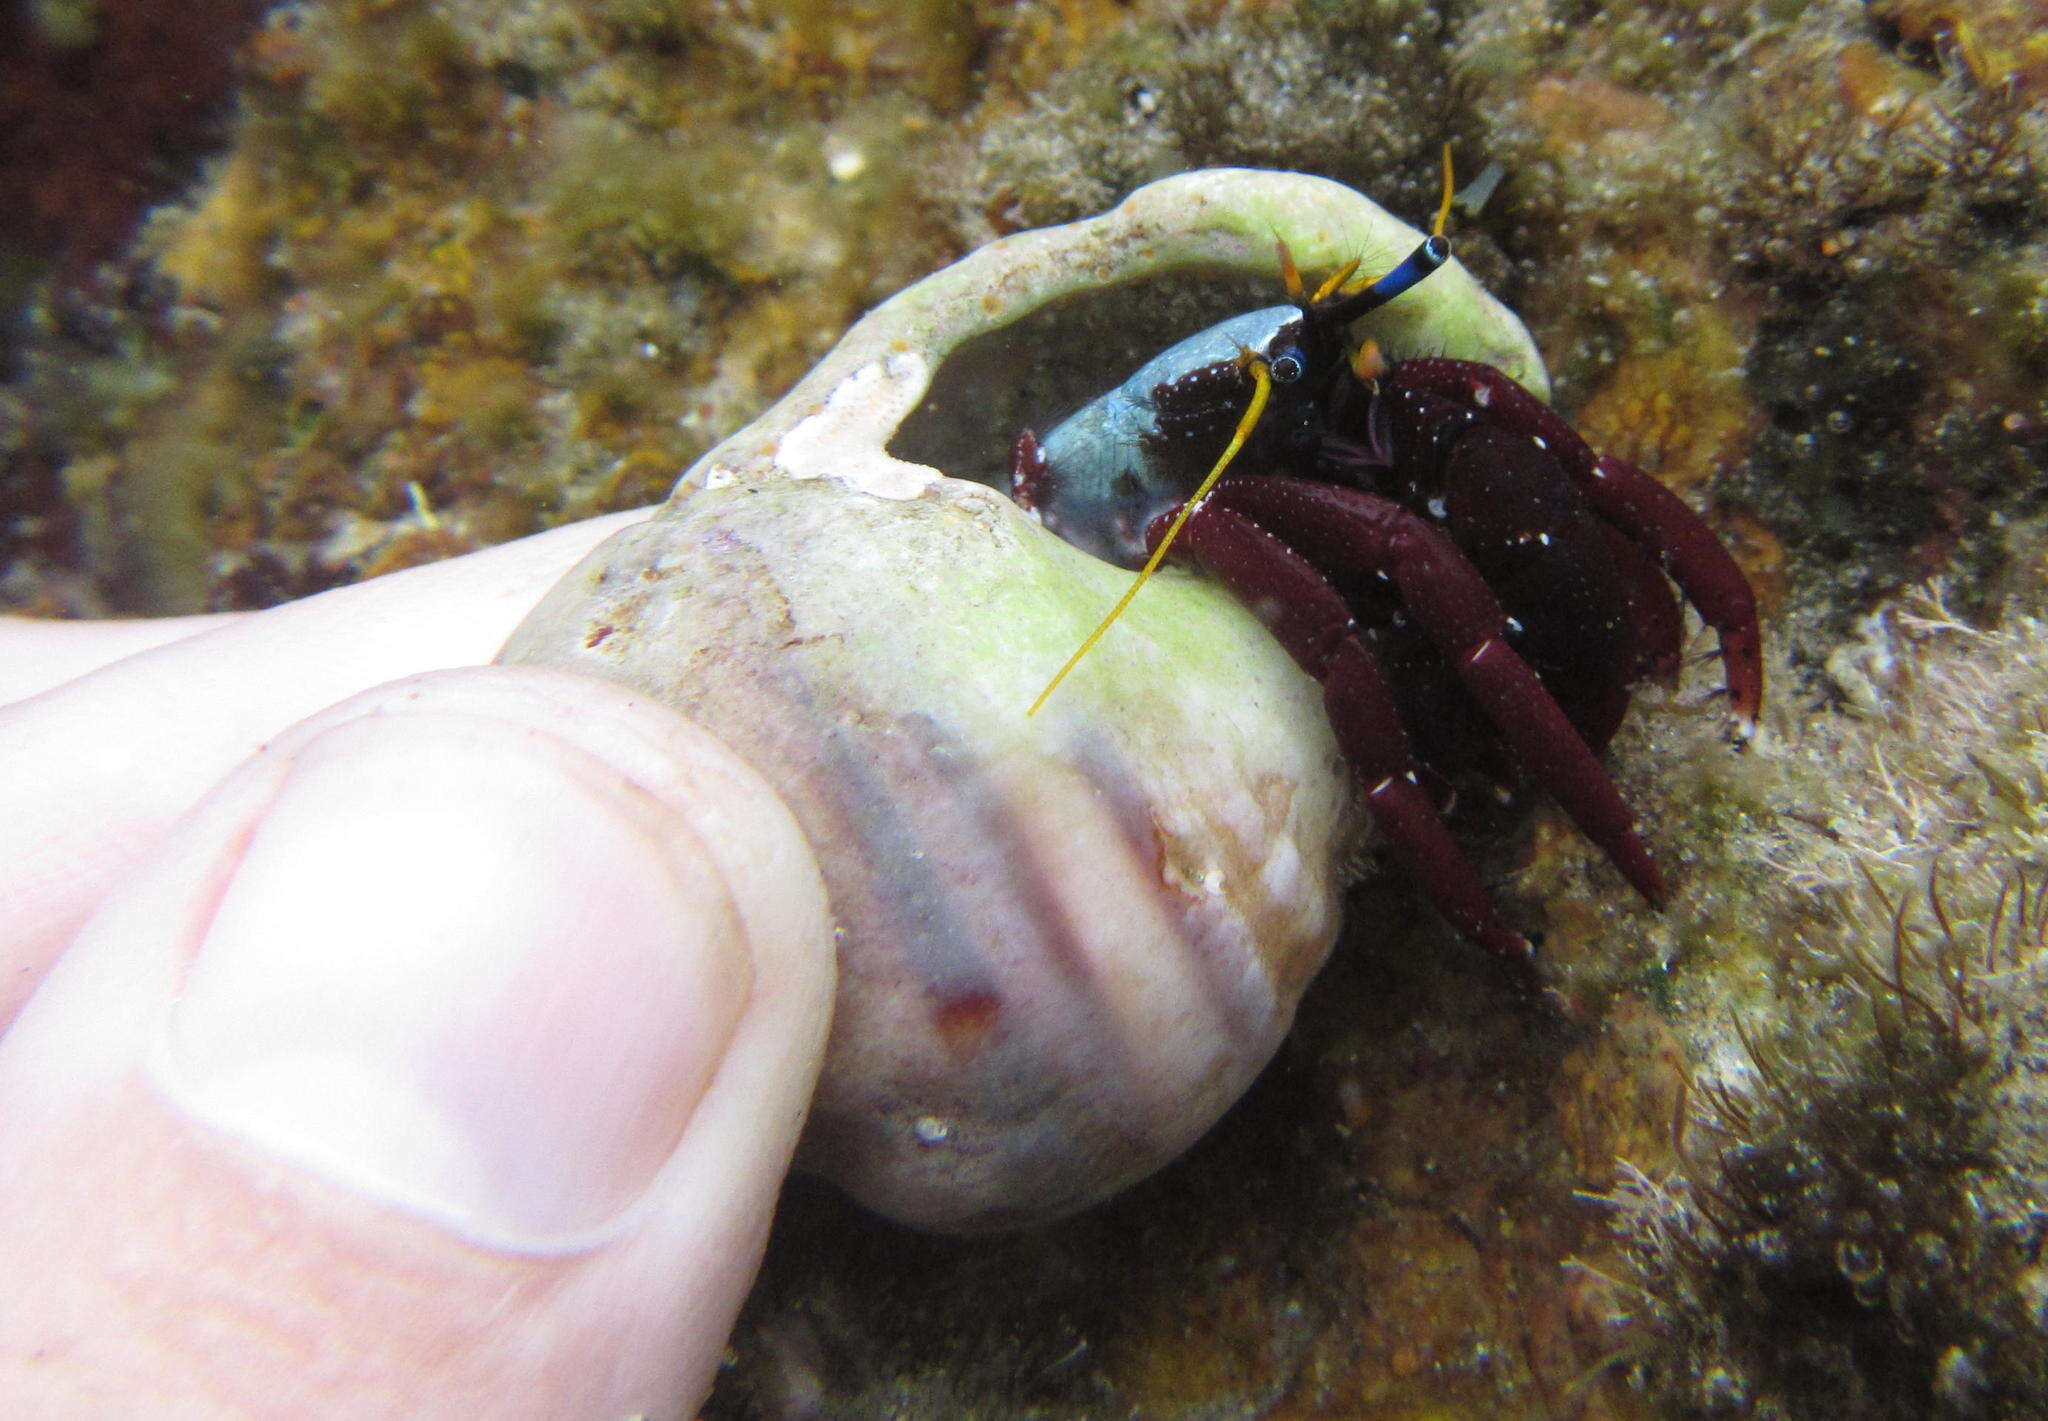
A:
[1860, 1237]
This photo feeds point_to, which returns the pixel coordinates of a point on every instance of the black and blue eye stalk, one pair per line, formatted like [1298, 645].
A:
[1433, 253]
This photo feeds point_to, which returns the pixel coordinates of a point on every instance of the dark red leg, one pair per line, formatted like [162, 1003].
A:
[1653, 516]
[1345, 528]
[1314, 624]
[1658, 519]
[1658, 632]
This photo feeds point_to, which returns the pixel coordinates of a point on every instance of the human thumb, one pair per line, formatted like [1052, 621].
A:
[446, 1061]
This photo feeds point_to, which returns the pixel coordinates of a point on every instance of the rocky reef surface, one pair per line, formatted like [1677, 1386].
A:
[467, 268]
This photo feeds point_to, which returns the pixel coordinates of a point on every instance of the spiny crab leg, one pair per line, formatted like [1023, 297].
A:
[1651, 514]
[1340, 527]
[1302, 609]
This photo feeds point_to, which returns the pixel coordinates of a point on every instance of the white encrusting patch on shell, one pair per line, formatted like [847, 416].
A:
[846, 440]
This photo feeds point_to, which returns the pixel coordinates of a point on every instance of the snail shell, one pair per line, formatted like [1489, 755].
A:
[1069, 941]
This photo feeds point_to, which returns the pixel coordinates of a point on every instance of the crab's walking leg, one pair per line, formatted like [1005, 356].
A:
[1314, 624]
[1340, 527]
[1649, 513]
[1659, 630]
[1658, 518]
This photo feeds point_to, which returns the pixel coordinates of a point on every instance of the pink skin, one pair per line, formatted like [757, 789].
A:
[128, 723]
[439, 1054]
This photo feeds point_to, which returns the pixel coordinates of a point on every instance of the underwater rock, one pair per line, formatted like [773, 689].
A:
[1855, 1228]
[1068, 941]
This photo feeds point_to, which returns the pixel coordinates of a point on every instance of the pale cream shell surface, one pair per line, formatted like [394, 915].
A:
[1067, 941]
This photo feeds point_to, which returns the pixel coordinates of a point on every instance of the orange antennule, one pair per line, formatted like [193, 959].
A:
[1336, 280]
[1290, 274]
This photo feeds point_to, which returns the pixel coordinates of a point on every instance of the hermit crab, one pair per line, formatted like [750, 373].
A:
[1068, 940]
[1472, 586]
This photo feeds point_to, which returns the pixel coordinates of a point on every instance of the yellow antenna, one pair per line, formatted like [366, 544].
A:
[1262, 386]
[1443, 211]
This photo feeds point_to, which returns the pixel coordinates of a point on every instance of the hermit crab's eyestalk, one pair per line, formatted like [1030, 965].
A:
[1434, 251]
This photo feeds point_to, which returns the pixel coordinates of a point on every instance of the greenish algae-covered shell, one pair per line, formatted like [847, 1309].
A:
[1068, 941]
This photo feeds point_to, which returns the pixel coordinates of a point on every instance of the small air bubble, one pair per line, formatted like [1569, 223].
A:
[1722, 1390]
[930, 1130]
[1437, 507]
[1931, 1256]
[845, 163]
[1770, 1247]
